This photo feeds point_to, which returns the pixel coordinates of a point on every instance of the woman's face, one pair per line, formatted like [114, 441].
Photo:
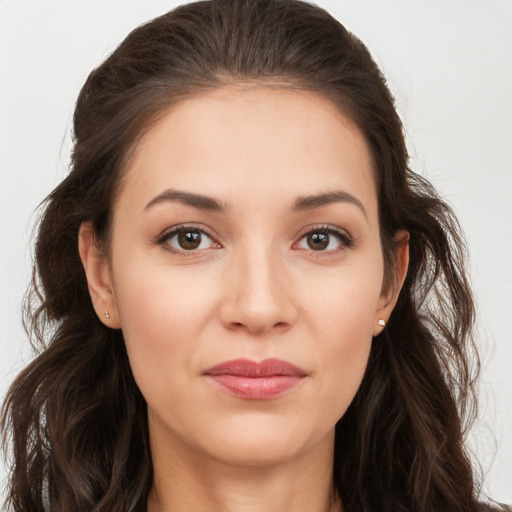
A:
[246, 230]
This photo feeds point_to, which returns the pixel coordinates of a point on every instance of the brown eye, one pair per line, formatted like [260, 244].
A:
[189, 240]
[328, 240]
[318, 241]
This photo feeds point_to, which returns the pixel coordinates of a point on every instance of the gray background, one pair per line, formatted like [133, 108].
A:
[449, 64]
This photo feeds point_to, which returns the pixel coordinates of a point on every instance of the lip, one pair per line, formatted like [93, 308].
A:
[255, 380]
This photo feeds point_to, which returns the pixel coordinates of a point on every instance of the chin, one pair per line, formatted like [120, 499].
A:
[257, 453]
[263, 442]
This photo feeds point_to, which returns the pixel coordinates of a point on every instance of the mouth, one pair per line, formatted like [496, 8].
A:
[255, 380]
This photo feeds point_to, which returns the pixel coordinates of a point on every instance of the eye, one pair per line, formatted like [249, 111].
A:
[184, 239]
[325, 240]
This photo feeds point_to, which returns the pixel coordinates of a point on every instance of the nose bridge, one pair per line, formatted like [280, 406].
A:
[259, 298]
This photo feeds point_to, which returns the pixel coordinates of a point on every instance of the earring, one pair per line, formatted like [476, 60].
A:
[382, 323]
[107, 314]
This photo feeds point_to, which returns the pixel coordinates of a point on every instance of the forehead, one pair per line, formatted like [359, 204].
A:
[251, 142]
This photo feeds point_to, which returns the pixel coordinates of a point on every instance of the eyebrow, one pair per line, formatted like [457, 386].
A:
[309, 202]
[188, 199]
[302, 203]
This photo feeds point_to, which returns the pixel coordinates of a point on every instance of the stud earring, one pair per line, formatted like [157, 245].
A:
[382, 323]
[107, 314]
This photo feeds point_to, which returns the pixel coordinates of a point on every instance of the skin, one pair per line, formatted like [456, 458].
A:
[255, 288]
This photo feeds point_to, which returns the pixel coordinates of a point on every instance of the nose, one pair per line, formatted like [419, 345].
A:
[258, 297]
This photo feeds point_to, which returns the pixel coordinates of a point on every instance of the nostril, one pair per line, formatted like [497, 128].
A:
[281, 326]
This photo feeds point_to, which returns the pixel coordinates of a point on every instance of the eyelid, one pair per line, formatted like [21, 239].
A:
[172, 231]
[346, 239]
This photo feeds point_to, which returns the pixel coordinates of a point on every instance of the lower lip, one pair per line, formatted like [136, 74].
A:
[256, 388]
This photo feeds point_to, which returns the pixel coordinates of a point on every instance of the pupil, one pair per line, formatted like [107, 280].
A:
[189, 239]
[318, 241]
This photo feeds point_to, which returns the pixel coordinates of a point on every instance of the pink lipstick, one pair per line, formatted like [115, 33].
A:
[255, 381]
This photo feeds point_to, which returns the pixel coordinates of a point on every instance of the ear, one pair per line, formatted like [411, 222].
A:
[99, 279]
[389, 296]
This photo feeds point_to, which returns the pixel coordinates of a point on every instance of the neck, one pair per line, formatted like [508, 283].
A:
[185, 481]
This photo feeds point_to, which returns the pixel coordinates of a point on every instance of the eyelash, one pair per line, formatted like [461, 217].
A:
[164, 239]
[345, 239]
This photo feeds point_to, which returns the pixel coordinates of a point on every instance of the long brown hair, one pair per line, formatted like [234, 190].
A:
[74, 418]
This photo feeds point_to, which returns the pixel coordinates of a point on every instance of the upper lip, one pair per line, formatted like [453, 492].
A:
[246, 368]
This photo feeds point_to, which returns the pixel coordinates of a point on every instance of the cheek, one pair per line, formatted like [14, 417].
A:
[162, 315]
[345, 362]
[343, 319]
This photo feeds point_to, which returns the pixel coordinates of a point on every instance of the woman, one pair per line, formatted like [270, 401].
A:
[253, 304]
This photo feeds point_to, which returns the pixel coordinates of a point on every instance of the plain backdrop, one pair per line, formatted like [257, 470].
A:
[449, 65]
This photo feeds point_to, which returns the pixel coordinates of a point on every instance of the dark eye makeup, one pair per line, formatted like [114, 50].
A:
[325, 239]
[185, 239]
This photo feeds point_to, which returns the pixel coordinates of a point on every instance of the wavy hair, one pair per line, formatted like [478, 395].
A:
[74, 420]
